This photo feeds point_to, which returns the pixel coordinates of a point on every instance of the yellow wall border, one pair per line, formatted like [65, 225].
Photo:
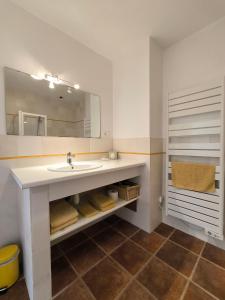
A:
[142, 153]
[48, 155]
[75, 154]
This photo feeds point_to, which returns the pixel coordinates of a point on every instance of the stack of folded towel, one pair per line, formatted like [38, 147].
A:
[102, 202]
[86, 209]
[62, 214]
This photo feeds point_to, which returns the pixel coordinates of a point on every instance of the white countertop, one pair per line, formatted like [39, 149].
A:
[40, 175]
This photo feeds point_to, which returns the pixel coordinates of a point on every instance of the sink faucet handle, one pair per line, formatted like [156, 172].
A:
[69, 157]
[69, 154]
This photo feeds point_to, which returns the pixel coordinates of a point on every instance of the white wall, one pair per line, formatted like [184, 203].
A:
[131, 92]
[138, 90]
[29, 45]
[137, 123]
[155, 79]
[198, 59]
[156, 86]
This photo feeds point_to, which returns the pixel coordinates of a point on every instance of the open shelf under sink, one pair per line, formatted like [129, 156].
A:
[84, 222]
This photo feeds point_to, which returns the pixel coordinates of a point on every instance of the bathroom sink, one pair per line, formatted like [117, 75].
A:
[75, 167]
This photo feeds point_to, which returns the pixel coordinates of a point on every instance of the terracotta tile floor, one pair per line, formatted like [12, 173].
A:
[115, 260]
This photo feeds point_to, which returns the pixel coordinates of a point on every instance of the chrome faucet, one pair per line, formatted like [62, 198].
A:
[69, 159]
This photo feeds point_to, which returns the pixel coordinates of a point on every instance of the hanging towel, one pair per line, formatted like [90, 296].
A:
[61, 212]
[86, 209]
[101, 201]
[63, 226]
[193, 176]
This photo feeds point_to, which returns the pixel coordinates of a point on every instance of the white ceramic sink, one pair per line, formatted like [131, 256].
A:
[75, 167]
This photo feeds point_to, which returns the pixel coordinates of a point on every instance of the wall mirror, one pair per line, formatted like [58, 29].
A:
[45, 106]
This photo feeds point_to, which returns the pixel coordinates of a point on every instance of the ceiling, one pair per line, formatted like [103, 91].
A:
[108, 26]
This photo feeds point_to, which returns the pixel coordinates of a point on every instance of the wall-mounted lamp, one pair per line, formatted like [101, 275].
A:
[53, 79]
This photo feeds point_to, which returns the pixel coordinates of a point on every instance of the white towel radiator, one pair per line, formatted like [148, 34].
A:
[196, 134]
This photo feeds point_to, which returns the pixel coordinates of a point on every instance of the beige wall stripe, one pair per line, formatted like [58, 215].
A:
[47, 155]
[142, 153]
[75, 154]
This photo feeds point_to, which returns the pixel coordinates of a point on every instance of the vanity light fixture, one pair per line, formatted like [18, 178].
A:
[53, 79]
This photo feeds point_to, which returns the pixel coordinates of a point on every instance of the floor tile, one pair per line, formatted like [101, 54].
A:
[211, 278]
[125, 228]
[62, 275]
[149, 241]
[135, 292]
[17, 292]
[130, 256]
[195, 293]
[96, 228]
[72, 241]
[84, 256]
[106, 280]
[109, 239]
[187, 241]
[112, 219]
[162, 281]
[177, 257]
[76, 290]
[214, 254]
[164, 229]
[55, 252]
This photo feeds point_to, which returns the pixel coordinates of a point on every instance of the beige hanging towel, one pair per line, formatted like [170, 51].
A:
[193, 176]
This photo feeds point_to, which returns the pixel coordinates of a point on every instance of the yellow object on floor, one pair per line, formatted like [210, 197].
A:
[193, 176]
[9, 265]
[101, 201]
[63, 226]
[61, 212]
[86, 209]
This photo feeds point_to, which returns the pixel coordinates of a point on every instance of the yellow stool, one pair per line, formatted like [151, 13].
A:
[9, 266]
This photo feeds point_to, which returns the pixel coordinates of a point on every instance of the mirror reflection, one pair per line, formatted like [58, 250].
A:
[39, 107]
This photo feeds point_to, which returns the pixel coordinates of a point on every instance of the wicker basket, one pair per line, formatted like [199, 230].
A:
[127, 190]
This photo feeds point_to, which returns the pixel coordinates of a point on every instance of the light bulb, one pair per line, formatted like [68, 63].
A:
[76, 86]
[53, 79]
[38, 76]
[69, 90]
[51, 85]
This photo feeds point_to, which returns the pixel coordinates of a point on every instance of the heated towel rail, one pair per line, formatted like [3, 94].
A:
[196, 134]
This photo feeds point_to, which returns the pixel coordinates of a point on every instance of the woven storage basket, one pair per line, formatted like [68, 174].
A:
[127, 190]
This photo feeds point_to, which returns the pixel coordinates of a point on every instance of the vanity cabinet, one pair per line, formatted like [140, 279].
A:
[37, 187]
